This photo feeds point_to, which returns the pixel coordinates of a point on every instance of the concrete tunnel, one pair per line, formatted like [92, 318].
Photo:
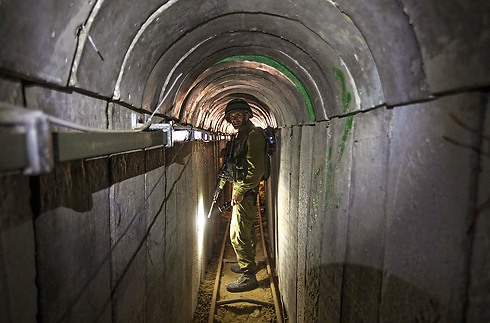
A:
[377, 202]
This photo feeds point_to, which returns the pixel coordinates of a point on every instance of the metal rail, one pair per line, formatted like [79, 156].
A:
[28, 144]
[214, 301]
[76, 145]
[244, 300]
[269, 271]
[218, 275]
[79, 145]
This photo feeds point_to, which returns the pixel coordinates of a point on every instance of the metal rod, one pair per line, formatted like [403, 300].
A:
[92, 42]
[218, 275]
[79, 145]
[211, 209]
[245, 300]
[269, 271]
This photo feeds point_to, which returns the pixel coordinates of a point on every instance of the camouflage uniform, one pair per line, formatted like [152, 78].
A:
[248, 171]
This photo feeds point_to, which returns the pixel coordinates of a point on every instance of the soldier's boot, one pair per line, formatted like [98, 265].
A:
[236, 269]
[245, 283]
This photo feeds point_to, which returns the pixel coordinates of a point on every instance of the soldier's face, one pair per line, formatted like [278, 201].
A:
[238, 118]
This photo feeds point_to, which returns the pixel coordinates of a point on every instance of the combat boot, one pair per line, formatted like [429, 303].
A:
[236, 269]
[245, 283]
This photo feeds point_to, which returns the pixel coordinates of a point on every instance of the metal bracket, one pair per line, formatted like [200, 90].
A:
[183, 129]
[166, 128]
[28, 144]
[34, 126]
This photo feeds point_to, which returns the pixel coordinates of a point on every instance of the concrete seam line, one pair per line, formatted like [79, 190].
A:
[82, 39]
[367, 45]
[153, 17]
[167, 80]
[312, 80]
[417, 43]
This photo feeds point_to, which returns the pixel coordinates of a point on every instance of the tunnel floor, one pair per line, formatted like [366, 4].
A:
[239, 312]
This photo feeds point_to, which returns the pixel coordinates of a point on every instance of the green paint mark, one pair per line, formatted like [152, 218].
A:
[332, 196]
[275, 64]
[347, 128]
[346, 95]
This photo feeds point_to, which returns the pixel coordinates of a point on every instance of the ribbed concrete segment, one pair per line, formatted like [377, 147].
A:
[377, 203]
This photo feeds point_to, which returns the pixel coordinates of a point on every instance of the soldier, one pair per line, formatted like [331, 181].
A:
[248, 169]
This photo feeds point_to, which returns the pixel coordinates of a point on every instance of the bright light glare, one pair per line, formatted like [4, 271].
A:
[197, 135]
[282, 225]
[201, 223]
[259, 123]
[180, 135]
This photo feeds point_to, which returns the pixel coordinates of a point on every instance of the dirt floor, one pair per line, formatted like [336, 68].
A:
[238, 312]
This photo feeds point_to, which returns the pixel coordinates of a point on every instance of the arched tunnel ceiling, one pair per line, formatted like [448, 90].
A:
[171, 22]
[274, 98]
[321, 69]
[310, 75]
[320, 59]
[373, 52]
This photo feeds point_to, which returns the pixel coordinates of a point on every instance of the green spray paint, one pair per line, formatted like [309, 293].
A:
[346, 95]
[283, 69]
[347, 128]
[333, 197]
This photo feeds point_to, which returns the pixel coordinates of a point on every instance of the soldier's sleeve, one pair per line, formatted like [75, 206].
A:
[255, 162]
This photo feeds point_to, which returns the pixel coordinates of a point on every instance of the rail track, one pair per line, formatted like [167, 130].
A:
[220, 301]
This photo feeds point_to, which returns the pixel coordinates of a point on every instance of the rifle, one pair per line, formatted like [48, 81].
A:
[224, 173]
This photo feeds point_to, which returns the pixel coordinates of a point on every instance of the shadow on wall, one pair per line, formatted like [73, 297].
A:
[117, 283]
[351, 293]
[71, 184]
[84, 286]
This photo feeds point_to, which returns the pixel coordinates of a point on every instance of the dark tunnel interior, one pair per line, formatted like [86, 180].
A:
[112, 123]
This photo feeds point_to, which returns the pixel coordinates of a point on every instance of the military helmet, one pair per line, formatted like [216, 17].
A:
[235, 105]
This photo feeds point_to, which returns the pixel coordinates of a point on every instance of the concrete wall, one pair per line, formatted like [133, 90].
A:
[377, 224]
[372, 193]
[478, 293]
[111, 239]
[18, 298]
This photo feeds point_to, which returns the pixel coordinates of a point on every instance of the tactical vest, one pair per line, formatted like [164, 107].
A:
[240, 166]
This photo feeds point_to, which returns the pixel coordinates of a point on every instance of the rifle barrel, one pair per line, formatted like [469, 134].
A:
[211, 209]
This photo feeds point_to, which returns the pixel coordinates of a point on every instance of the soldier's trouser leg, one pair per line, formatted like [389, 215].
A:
[242, 233]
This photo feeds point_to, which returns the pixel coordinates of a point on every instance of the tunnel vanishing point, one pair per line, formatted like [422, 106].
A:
[377, 204]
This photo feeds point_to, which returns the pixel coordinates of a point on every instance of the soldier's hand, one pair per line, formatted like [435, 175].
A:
[237, 198]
